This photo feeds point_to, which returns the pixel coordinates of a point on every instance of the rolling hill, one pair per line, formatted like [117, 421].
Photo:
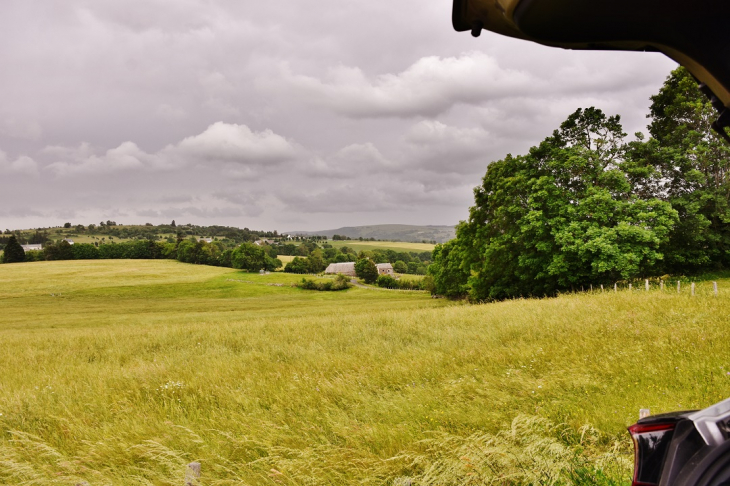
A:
[390, 232]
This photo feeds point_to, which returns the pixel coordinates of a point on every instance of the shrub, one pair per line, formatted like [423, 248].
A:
[340, 282]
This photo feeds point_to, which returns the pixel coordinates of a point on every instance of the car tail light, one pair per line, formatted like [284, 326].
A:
[651, 442]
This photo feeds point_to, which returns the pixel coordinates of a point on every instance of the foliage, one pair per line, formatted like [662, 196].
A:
[449, 270]
[13, 252]
[298, 265]
[61, 250]
[563, 216]
[366, 269]
[340, 282]
[688, 165]
[84, 251]
[388, 282]
[585, 207]
[252, 258]
[400, 267]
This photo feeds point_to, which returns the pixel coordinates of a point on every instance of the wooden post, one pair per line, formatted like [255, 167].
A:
[591, 287]
[615, 287]
[678, 287]
[661, 285]
[630, 287]
[693, 288]
[714, 287]
[646, 284]
[192, 474]
[601, 287]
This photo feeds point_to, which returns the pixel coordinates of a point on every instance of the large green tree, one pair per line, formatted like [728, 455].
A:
[563, 216]
[13, 252]
[252, 258]
[686, 164]
[366, 269]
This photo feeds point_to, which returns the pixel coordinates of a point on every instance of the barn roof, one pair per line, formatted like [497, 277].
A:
[347, 267]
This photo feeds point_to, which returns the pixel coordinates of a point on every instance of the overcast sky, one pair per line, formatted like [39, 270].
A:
[288, 115]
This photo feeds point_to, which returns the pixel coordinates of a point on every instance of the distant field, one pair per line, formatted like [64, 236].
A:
[358, 245]
[122, 372]
[285, 258]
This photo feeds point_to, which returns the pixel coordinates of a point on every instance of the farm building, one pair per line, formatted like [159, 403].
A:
[69, 241]
[32, 247]
[385, 269]
[347, 268]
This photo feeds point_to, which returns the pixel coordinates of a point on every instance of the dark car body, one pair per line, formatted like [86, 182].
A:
[689, 448]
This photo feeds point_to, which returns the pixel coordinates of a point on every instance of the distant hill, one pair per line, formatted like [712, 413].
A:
[391, 232]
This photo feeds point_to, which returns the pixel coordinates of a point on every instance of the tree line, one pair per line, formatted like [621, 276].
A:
[318, 258]
[587, 207]
[246, 256]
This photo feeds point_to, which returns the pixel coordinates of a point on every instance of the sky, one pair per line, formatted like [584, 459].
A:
[287, 115]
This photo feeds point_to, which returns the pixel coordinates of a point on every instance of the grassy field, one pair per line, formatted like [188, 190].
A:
[358, 245]
[122, 372]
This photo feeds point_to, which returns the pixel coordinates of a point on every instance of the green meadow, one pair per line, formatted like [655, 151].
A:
[124, 371]
[358, 245]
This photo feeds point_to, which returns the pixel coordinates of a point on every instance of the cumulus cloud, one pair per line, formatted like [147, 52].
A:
[124, 158]
[236, 143]
[430, 86]
[22, 165]
[241, 151]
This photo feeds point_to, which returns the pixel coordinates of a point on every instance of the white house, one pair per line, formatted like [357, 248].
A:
[32, 247]
[385, 269]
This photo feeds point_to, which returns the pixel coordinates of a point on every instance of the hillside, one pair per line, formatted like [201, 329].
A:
[390, 232]
[123, 371]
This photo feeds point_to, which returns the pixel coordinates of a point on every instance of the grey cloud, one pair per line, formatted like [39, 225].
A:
[430, 86]
[349, 162]
[236, 143]
[254, 113]
[26, 130]
[219, 143]
[442, 148]
[23, 165]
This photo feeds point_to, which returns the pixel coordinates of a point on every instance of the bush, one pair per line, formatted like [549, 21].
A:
[85, 251]
[339, 283]
[35, 256]
[388, 282]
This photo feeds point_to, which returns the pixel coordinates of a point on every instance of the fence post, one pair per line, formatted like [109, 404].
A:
[630, 287]
[661, 285]
[678, 287]
[714, 287]
[693, 288]
[601, 287]
[646, 284]
[615, 287]
[192, 474]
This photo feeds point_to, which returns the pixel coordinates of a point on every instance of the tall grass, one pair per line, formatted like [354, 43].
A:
[130, 370]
